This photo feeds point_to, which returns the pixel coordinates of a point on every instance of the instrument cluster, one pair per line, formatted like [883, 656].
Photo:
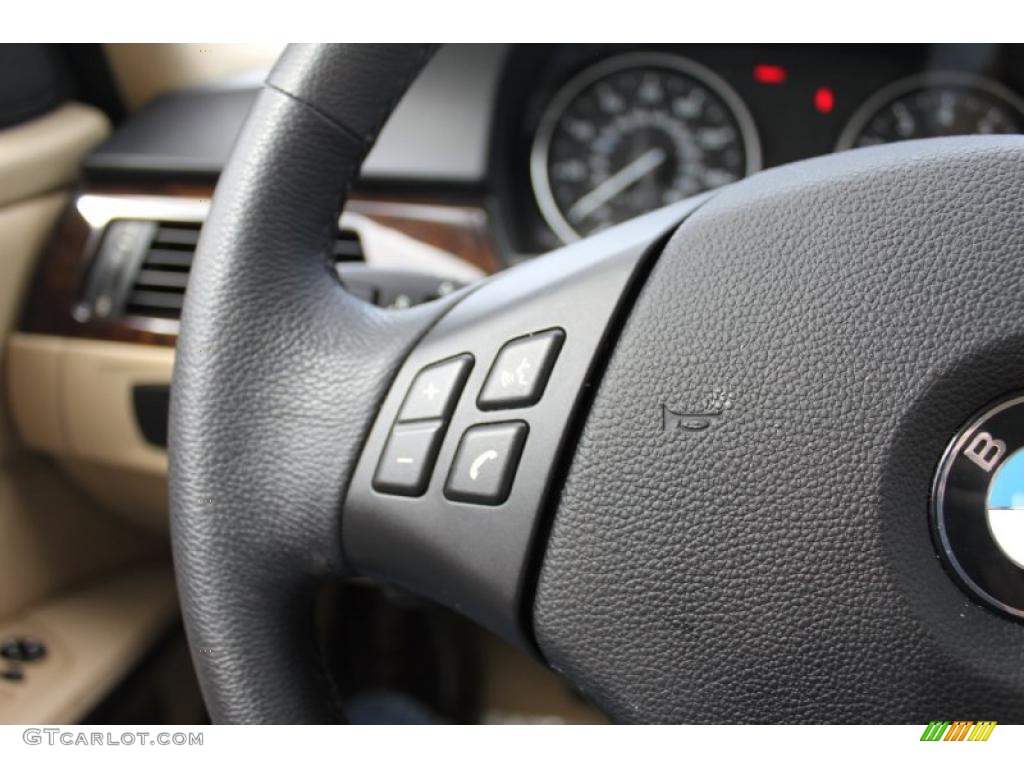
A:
[610, 133]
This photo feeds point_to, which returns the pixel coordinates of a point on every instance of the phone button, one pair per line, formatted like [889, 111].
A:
[485, 463]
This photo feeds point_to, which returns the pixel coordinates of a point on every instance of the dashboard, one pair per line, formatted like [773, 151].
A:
[497, 153]
[561, 141]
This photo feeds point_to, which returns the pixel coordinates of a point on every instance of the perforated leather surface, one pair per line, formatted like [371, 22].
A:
[278, 375]
[846, 315]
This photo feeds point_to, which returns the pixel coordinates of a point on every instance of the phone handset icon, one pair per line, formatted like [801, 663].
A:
[479, 461]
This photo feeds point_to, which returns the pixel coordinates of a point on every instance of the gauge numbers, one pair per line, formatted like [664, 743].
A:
[934, 104]
[632, 134]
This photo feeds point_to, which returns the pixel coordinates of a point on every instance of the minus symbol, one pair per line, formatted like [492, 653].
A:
[404, 460]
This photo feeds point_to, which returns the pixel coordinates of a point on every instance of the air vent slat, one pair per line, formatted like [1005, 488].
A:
[158, 288]
[160, 278]
[177, 234]
[161, 300]
[348, 247]
[161, 257]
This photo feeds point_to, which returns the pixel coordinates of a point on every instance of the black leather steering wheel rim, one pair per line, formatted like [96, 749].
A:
[820, 331]
[267, 329]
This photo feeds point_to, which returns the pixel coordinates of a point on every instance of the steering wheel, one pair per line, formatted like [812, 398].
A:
[688, 462]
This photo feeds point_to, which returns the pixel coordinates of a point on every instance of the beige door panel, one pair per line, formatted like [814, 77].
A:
[93, 636]
[137, 497]
[72, 398]
[37, 158]
[32, 386]
[53, 537]
[95, 396]
[44, 154]
[23, 230]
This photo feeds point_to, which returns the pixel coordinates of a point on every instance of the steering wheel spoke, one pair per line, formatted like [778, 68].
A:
[448, 495]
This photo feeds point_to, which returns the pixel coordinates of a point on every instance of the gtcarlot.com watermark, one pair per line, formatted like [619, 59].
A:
[79, 738]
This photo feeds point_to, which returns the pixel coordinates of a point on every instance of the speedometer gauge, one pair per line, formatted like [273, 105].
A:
[632, 134]
[934, 104]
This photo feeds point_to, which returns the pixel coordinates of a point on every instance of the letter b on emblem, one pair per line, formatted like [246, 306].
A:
[985, 451]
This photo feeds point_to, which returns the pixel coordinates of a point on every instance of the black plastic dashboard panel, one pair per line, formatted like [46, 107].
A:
[474, 557]
[180, 134]
[439, 132]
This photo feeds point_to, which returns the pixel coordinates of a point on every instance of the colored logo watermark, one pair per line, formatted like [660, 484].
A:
[958, 730]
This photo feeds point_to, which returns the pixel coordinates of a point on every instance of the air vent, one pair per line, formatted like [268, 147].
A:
[158, 289]
[348, 247]
[159, 286]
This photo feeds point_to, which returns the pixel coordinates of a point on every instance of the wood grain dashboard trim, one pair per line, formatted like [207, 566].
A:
[455, 229]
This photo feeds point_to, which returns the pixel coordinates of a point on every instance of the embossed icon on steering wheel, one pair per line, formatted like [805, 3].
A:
[674, 421]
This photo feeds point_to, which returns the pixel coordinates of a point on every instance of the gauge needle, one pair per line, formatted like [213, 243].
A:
[629, 174]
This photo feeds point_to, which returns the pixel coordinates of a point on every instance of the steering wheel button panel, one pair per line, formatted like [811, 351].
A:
[485, 463]
[520, 373]
[436, 389]
[437, 542]
[404, 467]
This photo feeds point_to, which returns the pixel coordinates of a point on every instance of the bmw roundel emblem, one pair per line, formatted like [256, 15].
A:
[978, 506]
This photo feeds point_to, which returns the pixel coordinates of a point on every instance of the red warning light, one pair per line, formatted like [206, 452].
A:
[824, 100]
[770, 74]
